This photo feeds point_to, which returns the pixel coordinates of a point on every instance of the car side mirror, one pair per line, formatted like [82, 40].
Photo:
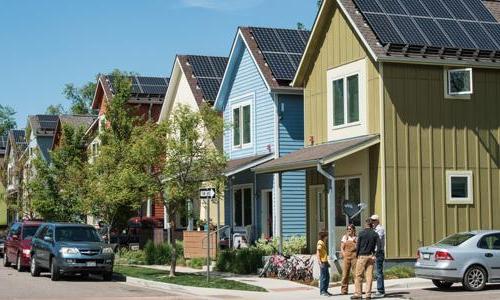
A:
[48, 239]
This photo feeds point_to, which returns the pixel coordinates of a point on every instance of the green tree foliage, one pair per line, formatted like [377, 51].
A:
[80, 97]
[57, 109]
[7, 121]
[117, 182]
[56, 191]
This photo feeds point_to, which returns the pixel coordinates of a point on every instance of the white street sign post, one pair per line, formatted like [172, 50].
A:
[208, 194]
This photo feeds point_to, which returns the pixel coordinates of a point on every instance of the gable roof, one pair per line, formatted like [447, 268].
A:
[43, 125]
[142, 87]
[76, 120]
[16, 140]
[380, 51]
[275, 51]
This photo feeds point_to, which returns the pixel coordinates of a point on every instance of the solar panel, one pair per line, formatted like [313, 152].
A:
[479, 10]
[281, 66]
[292, 41]
[368, 6]
[458, 9]
[210, 87]
[456, 34]
[392, 7]
[305, 35]
[434, 34]
[409, 30]
[414, 7]
[437, 9]
[151, 80]
[202, 67]
[494, 30]
[479, 35]
[219, 64]
[267, 40]
[384, 29]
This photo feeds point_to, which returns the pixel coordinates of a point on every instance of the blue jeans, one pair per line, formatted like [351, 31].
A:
[324, 278]
[379, 272]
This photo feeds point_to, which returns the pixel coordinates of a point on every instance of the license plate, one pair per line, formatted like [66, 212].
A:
[91, 264]
[427, 256]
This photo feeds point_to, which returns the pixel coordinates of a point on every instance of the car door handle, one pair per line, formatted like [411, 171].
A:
[488, 255]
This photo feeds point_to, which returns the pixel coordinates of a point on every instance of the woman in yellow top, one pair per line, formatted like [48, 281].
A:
[322, 255]
[348, 250]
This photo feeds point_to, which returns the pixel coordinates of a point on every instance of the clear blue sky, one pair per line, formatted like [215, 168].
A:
[45, 44]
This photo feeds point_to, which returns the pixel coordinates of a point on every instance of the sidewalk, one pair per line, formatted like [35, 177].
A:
[277, 289]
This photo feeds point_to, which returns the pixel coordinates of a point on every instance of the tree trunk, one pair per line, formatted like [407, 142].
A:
[109, 233]
[174, 259]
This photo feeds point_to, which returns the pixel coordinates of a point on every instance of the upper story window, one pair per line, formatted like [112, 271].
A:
[459, 187]
[242, 125]
[459, 82]
[346, 100]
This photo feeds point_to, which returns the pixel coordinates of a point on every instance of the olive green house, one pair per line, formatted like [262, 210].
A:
[401, 113]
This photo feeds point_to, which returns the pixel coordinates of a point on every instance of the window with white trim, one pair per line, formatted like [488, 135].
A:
[243, 208]
[347, 189]
[459, 82]
[459, 187]
[346, 100]
[242, 125]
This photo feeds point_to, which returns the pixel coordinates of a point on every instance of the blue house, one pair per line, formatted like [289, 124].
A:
[264, 120]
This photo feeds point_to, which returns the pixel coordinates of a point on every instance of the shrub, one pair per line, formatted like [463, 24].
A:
[179, 248]
[196, 263]
[157, 254]
[242, 261]
[131, 257]
[150, 253]
[225, 260]
[292, 245]
[399, 272]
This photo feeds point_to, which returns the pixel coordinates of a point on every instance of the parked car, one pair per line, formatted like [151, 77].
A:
[2, 246]
[18, 244]
[472, 258]
[70, 249]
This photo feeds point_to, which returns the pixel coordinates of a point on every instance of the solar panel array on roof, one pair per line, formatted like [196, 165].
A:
[458, 24]
[208, 71]
[282, 49]
[47, 122]
[156, 86]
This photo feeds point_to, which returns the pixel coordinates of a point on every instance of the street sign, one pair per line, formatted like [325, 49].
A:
[207, 193]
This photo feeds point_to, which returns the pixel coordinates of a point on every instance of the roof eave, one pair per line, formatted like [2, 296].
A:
[250, 165]
[439, 61]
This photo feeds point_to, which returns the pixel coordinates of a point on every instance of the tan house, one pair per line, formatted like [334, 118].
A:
[401, 113]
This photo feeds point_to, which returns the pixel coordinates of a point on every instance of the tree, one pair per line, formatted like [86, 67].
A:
[117, 183]
[301, 26]
[80, 97]
[57, 109]
[7, 121]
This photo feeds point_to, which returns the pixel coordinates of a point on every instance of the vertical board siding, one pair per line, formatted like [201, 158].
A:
[293, 187]
[426, 135]
[339, 45]
[248, 84]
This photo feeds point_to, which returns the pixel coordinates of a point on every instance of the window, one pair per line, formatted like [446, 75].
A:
[490, 242]
[243, 207]
[49, 233]
[459, 82]
[29, 231]
[346, 100]
[347, 189]
[455, 239]
[459, 187]
[242, 125]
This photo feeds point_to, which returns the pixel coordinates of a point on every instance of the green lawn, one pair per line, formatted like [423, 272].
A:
[185, 279]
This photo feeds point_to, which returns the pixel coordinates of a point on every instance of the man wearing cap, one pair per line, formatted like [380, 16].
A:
[380, 256]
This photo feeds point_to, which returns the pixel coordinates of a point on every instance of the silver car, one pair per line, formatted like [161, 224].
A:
[472, 258]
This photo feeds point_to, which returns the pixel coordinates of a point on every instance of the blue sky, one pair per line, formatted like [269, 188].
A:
[45, 44]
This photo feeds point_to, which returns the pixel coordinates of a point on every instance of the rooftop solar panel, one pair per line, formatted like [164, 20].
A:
[281, 66]
[409, 30]
[267, 40]
[219, 63]
[292, 41]
[494, 30]
[434, 33]
[458, 9]
[384, 29]
[437, 8]
[479, 35]
[369, 6]
[392, 7]
[210, 87]
[414, 7]
[456, 34]
[202, 67]
[479, 10]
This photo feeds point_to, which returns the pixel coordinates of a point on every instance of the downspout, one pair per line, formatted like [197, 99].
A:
[331, 213]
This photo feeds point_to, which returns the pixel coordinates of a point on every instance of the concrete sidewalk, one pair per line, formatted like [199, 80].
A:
[277, 289]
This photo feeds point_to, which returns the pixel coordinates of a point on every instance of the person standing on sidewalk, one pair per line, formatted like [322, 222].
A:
[380, 257]
[348, 249]
[368, 241]
[322, 256]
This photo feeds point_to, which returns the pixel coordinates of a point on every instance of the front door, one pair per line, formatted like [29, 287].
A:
[267, 213]
[318, 213]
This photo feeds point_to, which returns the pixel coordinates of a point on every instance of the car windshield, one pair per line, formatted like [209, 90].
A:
[456, 239]
[29, 231]
[76, 234]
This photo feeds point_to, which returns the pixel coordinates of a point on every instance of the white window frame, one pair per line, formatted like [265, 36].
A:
[470, 187]
[242, 187]
[447, 85]
[346, 186]
[353, 129]
[241, 105]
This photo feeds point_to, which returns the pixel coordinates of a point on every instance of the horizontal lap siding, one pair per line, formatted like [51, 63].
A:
[293, 185]
[426, 135]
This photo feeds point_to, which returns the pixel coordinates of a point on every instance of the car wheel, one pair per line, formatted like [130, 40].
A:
[54, 271]
[6, 262]
[107, 276]
[19, 267]
[475, 278]
[34, 269]
[441, 284]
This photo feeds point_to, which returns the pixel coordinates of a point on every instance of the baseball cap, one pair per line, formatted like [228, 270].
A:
[375, 217]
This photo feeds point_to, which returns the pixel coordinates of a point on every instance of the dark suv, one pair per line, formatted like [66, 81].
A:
[70, 249]
[18, 244]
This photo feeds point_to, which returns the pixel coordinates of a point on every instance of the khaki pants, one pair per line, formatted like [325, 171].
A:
[348, 267]
[364, 266]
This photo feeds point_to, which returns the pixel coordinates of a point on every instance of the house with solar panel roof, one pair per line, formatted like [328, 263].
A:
[145, 102]
[194, 82]
[264, 117]
[400, 115]
[16, 146]
[3, 205]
